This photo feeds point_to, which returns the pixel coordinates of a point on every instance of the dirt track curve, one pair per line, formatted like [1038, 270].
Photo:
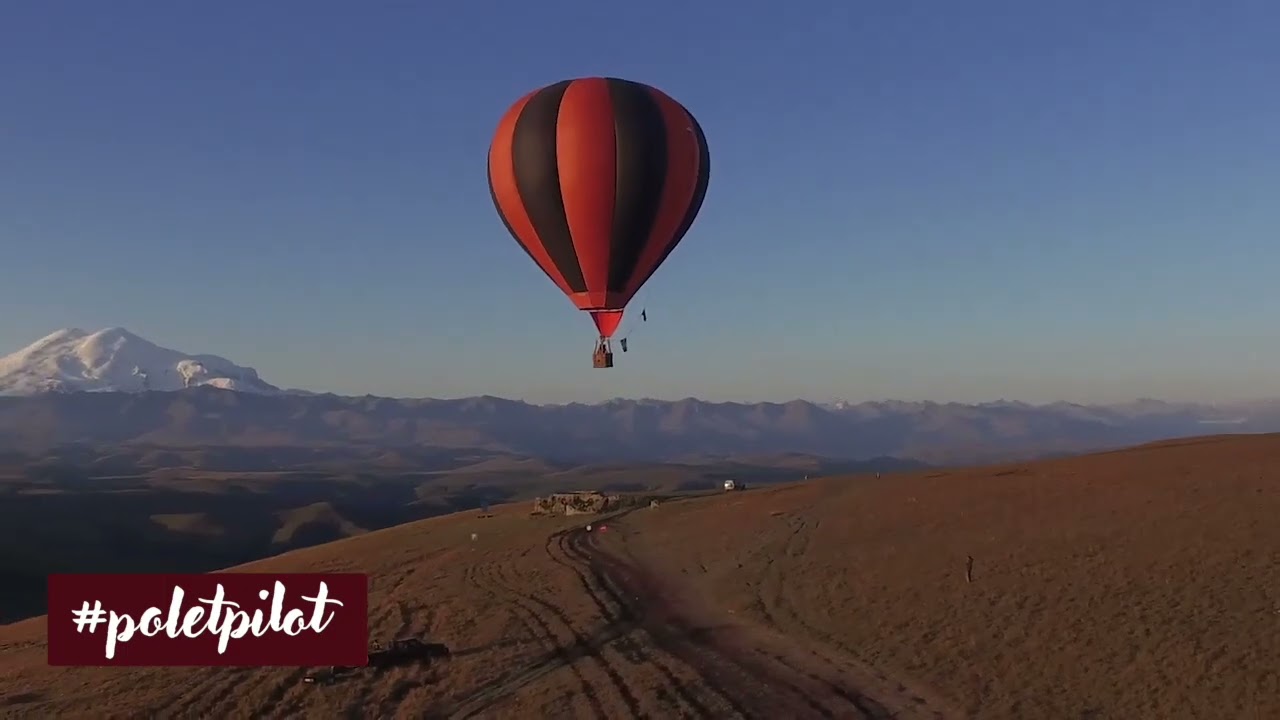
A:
[756, 675]
[732, 669]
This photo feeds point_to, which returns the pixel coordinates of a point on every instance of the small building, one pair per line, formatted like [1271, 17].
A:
[574, 503]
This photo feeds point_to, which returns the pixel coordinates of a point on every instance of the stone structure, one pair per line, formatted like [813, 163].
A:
[575, 503]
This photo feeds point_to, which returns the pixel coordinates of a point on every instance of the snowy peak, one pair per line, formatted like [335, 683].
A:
[116, 360]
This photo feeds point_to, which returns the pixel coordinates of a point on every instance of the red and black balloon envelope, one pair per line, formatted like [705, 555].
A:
[598, 179]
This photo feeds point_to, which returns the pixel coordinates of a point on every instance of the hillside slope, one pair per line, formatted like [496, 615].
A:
[1142, 583]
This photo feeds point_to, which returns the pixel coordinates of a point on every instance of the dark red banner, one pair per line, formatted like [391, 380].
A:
[247, 619]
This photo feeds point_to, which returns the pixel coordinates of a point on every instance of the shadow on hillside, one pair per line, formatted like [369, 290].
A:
[516, 679]
[148, 509]
[25, 698]
[127, 526]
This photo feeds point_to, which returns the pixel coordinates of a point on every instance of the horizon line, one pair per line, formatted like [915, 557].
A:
[299, 392]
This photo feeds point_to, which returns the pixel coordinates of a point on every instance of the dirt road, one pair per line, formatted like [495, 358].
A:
[758, 673]
[737, 670]
[654, 651]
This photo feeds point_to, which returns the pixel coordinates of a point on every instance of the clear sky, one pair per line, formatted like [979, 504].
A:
[911, 199]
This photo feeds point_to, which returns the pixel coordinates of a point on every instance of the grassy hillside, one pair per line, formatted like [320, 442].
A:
[1134, 584]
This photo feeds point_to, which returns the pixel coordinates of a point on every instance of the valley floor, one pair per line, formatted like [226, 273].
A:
[1127, 585]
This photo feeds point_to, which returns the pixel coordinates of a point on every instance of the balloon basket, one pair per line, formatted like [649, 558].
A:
[603, 356]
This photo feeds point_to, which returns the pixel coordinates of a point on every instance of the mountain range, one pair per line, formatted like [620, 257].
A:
[112, 387]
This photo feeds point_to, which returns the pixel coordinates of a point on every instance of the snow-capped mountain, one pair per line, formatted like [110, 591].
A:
[116, 360]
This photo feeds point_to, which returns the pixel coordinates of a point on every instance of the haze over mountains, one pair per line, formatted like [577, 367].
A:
[143, 394]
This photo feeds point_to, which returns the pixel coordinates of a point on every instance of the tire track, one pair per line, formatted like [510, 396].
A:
[725, 655]
[751, 696]
[683, 643]
[488, 599]
[797, 544]
[769, 591]
[580, 564]
[271, 706]
[510, 682]
[195, 695]
[224, 693]
[864, 704]
[222, 688]
[593, 649]
[401, 688]
[488, 603]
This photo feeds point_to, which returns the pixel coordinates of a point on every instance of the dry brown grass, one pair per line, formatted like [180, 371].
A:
[1136, 584]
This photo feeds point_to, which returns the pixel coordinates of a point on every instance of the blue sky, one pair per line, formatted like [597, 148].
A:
[920, 200]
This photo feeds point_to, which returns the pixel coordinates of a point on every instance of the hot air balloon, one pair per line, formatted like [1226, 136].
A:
[598, 179]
